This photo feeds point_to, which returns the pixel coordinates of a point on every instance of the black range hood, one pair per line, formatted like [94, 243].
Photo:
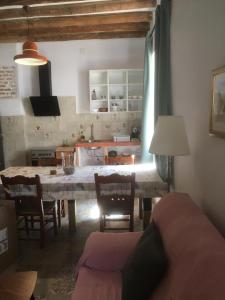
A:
[45, 104]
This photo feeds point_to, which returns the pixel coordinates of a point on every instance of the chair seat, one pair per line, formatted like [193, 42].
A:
[48, 206]
[18, 285]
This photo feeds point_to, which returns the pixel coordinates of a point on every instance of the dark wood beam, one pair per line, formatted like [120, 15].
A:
[81, 36]
[31, 2]
[79, 8]
[63, 22]
[35, 35]
[142, 26]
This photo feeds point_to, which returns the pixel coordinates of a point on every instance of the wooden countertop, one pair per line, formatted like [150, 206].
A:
[107, 143]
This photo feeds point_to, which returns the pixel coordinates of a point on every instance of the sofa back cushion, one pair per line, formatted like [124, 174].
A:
[195, 251]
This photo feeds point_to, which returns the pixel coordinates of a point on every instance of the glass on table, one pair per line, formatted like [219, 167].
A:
[68, 163]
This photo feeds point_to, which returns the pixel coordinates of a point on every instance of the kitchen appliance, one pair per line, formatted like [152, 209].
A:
[121, 138]
[41, 153]
[45, 104]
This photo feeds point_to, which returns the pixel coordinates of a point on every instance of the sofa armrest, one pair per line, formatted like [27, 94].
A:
[108, 251]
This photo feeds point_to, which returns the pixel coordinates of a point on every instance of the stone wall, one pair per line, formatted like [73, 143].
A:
[23, 133]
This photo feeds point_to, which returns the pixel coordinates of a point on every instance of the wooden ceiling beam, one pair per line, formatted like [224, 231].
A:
[75, 9]
[47, 23]
[22, 34]
[31, 2]
[79, 36]
[47, 2]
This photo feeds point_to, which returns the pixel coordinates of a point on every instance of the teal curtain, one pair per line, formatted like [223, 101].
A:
[148, 101]
[163, 102]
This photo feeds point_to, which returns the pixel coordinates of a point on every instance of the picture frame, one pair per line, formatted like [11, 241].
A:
[217, 111]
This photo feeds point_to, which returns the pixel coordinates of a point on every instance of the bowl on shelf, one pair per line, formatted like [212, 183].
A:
[103, 109]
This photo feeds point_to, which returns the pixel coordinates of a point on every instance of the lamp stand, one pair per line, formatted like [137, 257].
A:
[169, 172]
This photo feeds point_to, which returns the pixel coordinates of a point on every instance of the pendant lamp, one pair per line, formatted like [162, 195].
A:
[30, 55]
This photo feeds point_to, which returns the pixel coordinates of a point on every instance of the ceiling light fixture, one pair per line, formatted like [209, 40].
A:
[30, 55]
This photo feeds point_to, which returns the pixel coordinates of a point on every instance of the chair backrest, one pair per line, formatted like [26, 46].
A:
[49, 162]
[25, 191]
[115, 193]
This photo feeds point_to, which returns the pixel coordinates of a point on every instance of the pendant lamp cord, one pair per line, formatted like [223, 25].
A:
[26, 14]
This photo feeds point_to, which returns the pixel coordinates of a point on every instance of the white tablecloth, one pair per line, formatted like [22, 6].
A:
[81, 183]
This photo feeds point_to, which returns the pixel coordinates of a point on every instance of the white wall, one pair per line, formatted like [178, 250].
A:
[9, 107]
[198, 47]
[70, 62]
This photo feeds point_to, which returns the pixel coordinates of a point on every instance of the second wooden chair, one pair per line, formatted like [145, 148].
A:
[53, 162]
[27, 194]
[115, 195]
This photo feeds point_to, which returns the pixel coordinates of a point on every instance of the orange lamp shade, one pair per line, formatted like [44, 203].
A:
[30, 56]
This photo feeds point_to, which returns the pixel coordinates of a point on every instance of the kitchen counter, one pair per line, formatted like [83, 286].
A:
[105, 144]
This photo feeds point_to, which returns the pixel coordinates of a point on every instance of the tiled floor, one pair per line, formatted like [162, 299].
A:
[56, 262]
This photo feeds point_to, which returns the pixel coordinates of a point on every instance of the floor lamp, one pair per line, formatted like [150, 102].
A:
[170, 139]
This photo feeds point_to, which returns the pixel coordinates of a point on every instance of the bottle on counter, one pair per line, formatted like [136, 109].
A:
[93, 95]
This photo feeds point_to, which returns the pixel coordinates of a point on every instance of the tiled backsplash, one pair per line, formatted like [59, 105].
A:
[23, 133]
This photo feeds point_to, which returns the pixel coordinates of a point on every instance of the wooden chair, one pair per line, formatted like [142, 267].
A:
[115, 195]
[53, 162]
[120, 160]
[27, 194]
[49, 162]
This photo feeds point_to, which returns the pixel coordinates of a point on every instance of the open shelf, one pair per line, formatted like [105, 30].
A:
[116, 90]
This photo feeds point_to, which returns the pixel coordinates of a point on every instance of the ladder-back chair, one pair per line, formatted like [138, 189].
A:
[53, 162]
[27, 194]
[115, 195]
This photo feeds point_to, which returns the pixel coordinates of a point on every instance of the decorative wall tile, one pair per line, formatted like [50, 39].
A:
[29, 132]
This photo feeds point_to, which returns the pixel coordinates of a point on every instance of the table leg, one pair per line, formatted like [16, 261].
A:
[105, 151]
[72, 214]
[59, 212]
[140, 205]
[78, 156]
[147, 209]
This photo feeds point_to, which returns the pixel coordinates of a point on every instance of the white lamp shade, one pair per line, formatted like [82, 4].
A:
[170, 137]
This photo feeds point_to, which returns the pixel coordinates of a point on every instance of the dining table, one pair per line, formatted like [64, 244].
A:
[81, 185]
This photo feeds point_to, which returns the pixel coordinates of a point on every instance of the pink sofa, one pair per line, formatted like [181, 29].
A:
[195, 250]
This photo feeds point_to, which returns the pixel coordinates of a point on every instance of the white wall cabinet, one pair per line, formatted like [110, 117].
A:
[116, 90]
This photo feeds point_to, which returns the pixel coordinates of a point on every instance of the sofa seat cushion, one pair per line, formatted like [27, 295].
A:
[97, 285]
[107, 251]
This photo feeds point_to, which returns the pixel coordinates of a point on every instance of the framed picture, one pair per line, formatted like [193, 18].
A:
[217, 114]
